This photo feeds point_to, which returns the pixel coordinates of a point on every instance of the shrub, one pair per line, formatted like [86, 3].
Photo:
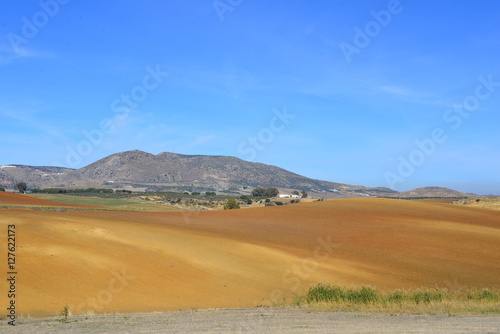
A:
[2, 189]
[231, 204]
[396, 296]
[325, 293]
[365, 295]
[428, 296]
[65, 314]
[483, 295]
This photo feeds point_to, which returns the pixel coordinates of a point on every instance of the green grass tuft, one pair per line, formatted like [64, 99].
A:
[419, 301]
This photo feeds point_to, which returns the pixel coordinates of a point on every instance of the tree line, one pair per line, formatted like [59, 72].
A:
[78, 191]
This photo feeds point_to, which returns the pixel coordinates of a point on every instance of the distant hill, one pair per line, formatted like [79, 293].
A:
[169, 171]
[32, 175]
[434, 192]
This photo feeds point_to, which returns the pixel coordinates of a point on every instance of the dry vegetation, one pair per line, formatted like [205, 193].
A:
[117, 261]
[484, 202]
[367, 299]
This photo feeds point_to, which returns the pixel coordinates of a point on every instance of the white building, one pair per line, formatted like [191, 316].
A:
[288, 196]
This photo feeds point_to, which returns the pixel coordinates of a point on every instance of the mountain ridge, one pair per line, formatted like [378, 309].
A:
[141, 170]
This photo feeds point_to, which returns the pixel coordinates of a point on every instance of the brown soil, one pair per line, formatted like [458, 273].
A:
[99, 261]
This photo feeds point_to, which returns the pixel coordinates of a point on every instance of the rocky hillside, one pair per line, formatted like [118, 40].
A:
[191, 171]
[33, 176]
[169, 171]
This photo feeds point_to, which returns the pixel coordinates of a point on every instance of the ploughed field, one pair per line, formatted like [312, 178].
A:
[117, 261]
[7, 199]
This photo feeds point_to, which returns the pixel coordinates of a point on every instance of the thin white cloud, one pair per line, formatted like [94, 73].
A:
[28, 120]
[396, 90]
[9, 55]
[202, 140]
[229, 80]
[409, 95]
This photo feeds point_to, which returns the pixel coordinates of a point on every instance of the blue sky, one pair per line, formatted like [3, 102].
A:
[378, 93]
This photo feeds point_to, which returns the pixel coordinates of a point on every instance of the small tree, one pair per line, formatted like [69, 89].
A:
[231, 204]
[265, 192]
[295, 192]
[258, 192]
[2, 189]
[304, 193]
[22, 187]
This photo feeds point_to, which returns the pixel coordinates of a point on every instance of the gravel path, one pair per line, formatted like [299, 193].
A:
[259, 320]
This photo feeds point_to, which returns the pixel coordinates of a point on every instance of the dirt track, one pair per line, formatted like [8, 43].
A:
[259, 320]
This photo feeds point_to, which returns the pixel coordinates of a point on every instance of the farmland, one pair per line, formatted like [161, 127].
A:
[121, 261]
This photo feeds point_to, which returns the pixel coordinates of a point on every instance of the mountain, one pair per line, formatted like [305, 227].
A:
[169, 171]
[34, 176]
[172, 170]
[434, 192]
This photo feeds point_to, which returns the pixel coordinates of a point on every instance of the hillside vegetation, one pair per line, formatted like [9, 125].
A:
[485, 202]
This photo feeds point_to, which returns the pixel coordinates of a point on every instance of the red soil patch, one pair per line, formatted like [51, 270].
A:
[7, 198]
[103, 261]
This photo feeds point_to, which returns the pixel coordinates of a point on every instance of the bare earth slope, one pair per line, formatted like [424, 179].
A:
[140, 262]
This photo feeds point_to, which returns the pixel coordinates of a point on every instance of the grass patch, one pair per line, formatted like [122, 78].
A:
[366, 299]
[55, 208]
[125, 204]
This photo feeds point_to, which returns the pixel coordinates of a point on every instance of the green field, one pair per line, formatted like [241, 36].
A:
[131, 204]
